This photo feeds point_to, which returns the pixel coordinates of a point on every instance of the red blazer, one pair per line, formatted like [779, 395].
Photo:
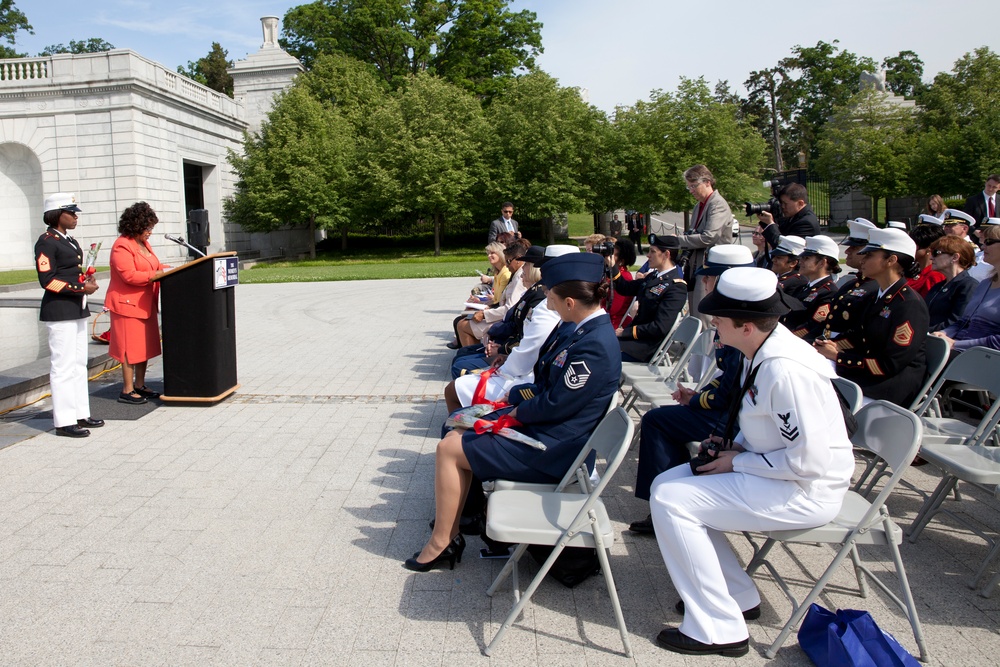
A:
[130, 292]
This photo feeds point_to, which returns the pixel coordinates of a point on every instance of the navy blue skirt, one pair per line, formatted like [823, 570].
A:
[495, 457]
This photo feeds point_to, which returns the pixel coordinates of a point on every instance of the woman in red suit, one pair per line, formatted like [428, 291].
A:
[132, 300]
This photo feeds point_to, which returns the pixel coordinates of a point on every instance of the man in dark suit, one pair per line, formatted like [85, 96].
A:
[797, 218]
[983, 205]
[505, 223]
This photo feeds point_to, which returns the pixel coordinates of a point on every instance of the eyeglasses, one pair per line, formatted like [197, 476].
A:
[693, 186]
[508, 210]
[938, 253]
[991, 241]
[755, 233]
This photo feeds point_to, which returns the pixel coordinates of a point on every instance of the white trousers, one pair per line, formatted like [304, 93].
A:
[68, 374]
[691, 513]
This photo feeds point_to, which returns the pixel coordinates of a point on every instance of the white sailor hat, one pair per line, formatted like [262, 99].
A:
[991, 221]
[65, 201]
[927, 219]
[789, 245]
[858, 234]
[952, 216]
[745, 292]
[554, 250]
[895, 241]
[894, 224]
[726, 256]
[821, 245]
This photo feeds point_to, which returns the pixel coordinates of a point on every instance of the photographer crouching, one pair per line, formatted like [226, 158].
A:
[797, 218]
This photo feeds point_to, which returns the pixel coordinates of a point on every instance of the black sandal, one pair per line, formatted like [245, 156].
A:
[132, 398]
[146, 393]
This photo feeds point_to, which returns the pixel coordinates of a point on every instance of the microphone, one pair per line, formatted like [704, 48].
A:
[180, 241]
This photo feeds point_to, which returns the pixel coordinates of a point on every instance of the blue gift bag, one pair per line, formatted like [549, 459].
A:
[849, 638]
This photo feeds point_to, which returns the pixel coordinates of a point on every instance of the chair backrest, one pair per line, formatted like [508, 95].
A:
[937, 352]
[612, 433]
[893, 434]
[680, 362]
[684, 332]
[980, 367]
[850, 391]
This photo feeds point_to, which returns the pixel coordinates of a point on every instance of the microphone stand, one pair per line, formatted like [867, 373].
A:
[179, 240]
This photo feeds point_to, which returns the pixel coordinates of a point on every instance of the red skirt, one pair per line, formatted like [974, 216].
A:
[134, 340]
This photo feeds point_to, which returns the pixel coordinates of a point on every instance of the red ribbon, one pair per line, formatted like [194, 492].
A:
[504, 421]
[479, 395]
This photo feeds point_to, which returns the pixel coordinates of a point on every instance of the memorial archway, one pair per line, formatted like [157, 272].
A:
[21, 212]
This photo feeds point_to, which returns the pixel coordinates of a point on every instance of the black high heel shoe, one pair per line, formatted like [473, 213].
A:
[458, 544]
[449, 554]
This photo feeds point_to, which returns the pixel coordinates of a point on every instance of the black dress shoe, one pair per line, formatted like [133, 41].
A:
[751, 614]
[446, 556]
[147, 393]
[133, 399]
[644, 527]
[453, 345]
[91, 422]
[674, 640]
[72, 431]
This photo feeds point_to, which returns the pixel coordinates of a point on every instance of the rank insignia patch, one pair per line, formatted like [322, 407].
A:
[903, 335]
[577, 375]
[821, 313]
[43, 263]
[788, 430]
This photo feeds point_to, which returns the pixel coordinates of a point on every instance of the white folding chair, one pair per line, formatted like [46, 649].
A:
[676, 353]
[660, 390]
[893, 434]
[560, 519]
[684, 329]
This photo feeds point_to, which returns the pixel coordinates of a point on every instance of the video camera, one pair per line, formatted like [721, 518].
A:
[773, 205]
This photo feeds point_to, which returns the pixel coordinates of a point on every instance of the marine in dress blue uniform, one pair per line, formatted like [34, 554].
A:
[64, 309]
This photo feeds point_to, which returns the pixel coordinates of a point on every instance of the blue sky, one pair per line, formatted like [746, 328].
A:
[618, 50]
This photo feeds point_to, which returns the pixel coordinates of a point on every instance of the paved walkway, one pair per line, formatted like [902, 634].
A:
[269, 529]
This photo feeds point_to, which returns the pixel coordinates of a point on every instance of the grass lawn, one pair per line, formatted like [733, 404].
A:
[17, 277]
[581, 224]
[370, 266]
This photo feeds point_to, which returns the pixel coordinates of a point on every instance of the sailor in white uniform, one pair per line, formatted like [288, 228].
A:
[789, 467]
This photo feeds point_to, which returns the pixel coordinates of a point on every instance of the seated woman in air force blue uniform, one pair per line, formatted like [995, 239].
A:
[574, 380]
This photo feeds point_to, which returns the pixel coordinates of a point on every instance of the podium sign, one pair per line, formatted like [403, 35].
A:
[227, 272]
[199, 329]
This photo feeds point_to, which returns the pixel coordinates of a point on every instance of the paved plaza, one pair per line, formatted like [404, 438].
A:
[271, 528]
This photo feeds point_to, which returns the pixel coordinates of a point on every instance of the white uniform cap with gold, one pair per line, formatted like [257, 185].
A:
[952, 216]
[928, 219]
[893, 241]
[65, 201]
[991, 221]
[893, 224]
[821, 245]
[858, 234]
[789, 245]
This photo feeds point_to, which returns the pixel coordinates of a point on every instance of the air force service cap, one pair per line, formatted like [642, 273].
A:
[585, 266]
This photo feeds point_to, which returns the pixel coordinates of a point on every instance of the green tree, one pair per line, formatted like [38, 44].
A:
[473, 43]
[12, 19]
[904, 74]
[211, 70]
[91, 45]
[814, 80]
[867, 145]
[762, 109]
[295, 170]
[960, 139]
[674, 131]
[544, 140]
[439, 158]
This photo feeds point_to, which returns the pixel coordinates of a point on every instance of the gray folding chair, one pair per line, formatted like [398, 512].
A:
[676, 353]
[560, 519]
[893, 434]
[684, 329]
[954, 446]
[851, 392]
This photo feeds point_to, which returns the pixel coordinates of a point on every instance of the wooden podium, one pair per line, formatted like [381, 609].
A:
[198, 315]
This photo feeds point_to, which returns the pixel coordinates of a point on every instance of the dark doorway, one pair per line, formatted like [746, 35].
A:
[194, 192]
